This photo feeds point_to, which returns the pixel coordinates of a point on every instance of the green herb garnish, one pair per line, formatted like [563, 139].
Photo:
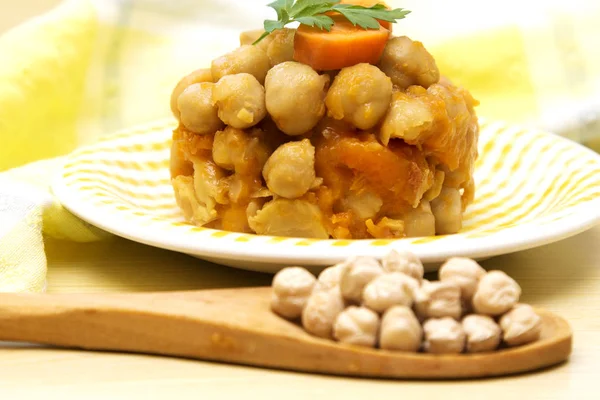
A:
[311, 13]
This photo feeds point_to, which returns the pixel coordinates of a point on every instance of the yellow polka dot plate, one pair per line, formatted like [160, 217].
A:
[533, 188]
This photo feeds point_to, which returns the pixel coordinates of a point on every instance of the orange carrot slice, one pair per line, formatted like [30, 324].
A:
[345, 45]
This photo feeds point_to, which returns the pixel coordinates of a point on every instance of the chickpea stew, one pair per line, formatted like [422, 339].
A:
[273, 145]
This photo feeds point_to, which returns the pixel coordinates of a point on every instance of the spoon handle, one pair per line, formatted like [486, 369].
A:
[64, 320]
[237, 326]
[226, 325]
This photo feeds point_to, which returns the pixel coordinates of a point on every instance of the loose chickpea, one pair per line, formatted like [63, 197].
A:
[404, 261]
[295, 97]
[197, 76]
[245, 59]
[496, 294]
[400, 330]
[437, 300]
[358, 326]
[329, 277]
[197, 112]
[321, 311]
[521, 325]
[356, 274]
[443, 336]
[360, 95]
[464, 273]
[483, 333]
[240, 99]
[290, 170]
[292, 287]
[390, 289]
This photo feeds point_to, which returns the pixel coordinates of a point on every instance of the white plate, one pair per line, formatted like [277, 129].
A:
[533, 188]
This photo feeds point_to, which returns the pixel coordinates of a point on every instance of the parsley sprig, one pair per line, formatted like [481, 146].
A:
[311, 13]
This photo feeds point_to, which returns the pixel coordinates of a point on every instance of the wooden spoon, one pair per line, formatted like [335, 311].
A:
[237, 326]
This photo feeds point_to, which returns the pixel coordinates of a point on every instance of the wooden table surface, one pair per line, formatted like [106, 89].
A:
[563, 277]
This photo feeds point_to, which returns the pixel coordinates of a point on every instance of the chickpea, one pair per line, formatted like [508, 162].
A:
[185, 196]
[321, 311]
[358, 326]
[464, 273]
[253, 208]
[208, 178]
[197, 76]
[419, 222]
[483, 333]
[409, 63]
[240, 151]
[196, 110]
[291, 288]
[436, 188]
[364, 204]
[390, 289]
[409, 118]
[240, 99]
[496, 294]
[295, 97]
[356, 274]
[249, 37]
[437, 300]
[521, 325]
[404, 261]
[329, 277]
[198, 195]
[289, 218]
[228, 147]
[360, 95]
[290, 171]
[455, 103]
[281, 46]
[443, 336]
[400, 330]
[447, 209]
[245, 59]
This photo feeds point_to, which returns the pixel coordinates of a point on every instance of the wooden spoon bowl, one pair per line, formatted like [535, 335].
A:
[237, 326]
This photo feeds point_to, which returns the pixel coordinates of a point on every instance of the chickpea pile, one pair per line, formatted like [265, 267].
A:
[270, 146]
[389, 305]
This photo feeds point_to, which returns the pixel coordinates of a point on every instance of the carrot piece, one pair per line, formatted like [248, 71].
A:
[370, 3]
[345, 45]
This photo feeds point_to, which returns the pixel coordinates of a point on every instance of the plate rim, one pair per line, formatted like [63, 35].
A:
[585, 216]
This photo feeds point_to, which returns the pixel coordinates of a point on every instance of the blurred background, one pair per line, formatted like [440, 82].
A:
[89, 67]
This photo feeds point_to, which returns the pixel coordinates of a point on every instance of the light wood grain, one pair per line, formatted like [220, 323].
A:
[563, 277]
[237, 326]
